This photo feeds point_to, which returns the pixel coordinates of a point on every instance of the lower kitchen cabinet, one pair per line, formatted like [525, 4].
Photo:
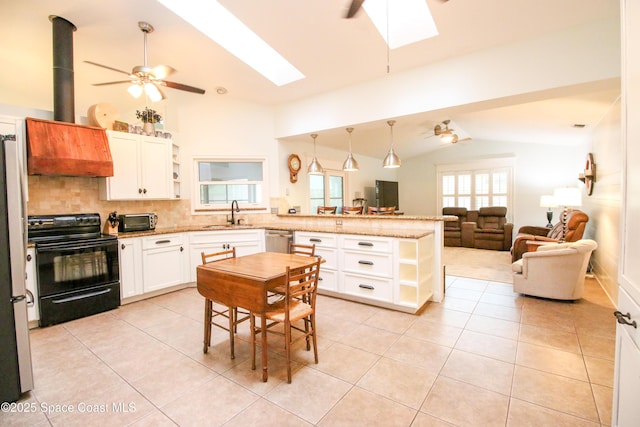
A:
[163, 261]
[246, 242]
[130, 258]
[327, 248]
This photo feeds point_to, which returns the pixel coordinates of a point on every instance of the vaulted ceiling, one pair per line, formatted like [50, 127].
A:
[332, 52]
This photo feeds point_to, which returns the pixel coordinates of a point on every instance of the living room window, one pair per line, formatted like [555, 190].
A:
[220, 181]
[476, 184]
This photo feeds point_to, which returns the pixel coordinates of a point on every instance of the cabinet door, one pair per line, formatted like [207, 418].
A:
[130, 253]
[33, 312]
[155, 168]
[125, 182]
[162, 267]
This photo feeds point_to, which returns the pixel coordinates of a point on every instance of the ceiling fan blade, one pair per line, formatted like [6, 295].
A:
[354, 8]
[108, 68]
[111, 83]
[181, 86]
[162, 71]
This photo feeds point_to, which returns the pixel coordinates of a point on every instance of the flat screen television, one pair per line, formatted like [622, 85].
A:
[387, 194]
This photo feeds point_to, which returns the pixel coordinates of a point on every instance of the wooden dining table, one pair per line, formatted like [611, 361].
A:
[244, 281]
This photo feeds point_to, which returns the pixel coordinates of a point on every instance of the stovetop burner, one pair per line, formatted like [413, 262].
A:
[65, 228]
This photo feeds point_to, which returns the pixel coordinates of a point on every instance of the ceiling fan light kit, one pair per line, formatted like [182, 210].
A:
[145, 79]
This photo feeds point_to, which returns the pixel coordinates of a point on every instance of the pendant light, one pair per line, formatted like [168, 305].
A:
[392, 160]
[351, 164]
[315, 168]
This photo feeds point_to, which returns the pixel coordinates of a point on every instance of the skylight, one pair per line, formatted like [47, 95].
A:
[213, 20]
[409, 20]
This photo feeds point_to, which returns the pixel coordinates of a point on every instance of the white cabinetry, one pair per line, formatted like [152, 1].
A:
[246, 242]
[368, 267]
[142, 168]
[627, 372]
[33, 313]
[130, 258]
[327, 248]
[163, 261]
[417, 267]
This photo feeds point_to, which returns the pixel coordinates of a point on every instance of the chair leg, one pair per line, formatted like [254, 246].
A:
[313, 336]
[232, 324]
[287, 346]
[207, 325]
[252, 326]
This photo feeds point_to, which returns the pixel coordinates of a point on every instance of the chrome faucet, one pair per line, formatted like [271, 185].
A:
[233, 218]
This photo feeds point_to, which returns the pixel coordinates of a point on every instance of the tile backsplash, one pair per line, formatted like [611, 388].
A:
[64, 194]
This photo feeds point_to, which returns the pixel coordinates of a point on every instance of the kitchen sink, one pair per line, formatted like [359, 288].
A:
[227, 226]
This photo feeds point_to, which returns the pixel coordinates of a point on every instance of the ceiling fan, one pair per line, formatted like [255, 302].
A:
[446, 134]
[146, 79]
[355, 6]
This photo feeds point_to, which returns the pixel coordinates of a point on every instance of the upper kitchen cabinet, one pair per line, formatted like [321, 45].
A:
[143, 168]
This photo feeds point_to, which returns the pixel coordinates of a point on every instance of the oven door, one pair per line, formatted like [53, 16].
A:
[72, 266]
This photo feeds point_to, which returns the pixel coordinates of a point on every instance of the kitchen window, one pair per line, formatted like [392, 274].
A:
[220, 181]
[476, 184]
[326, 190]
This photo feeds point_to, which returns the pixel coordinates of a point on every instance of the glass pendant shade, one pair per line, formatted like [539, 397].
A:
[135, 90]
[351, 164]
[391, 160]
[152, 91]
[447, 137]
[315, 168]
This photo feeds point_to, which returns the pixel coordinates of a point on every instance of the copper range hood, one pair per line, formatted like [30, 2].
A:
[61, 147]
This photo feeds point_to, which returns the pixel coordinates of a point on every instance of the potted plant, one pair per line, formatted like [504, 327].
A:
[148, 117]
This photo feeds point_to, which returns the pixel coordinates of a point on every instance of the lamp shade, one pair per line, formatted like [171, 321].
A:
[315, 168]
[391, 160]
[548, 201]
[567, 196]
[350, 164]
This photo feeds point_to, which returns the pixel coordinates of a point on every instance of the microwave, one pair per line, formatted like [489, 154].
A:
[137, 222]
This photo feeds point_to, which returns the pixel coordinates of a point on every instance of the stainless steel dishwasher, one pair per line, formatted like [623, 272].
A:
[278, 240]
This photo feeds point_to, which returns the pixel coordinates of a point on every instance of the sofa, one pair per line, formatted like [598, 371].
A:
[490, 231]
[453, 229]
[576, 223]
[485, 228]
[554, 270]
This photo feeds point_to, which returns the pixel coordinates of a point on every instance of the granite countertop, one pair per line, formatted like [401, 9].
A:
[386, 232]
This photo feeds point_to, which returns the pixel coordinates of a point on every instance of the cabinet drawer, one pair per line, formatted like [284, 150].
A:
[330, 257]
[368, 263]
[319, 239]
[162, 241]
[367, 243]
[368, 287]
[627, 305]
[328, 279]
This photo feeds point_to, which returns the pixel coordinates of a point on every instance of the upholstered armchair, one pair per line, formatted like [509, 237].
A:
[453, 229]
[576, 223]
[555, 270]
[490, 231]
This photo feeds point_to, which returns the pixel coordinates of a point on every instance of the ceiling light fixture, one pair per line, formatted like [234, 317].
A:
[315, 168]
[351, 164]
[392, 160]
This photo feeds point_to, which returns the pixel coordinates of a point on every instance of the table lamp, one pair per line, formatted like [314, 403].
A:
[567, 197]
[548, 201]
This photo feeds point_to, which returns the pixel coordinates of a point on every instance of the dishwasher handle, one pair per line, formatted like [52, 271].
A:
[278, 234]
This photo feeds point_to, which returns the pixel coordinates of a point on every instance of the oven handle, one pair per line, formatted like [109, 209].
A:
[74, 246]
[83, 296]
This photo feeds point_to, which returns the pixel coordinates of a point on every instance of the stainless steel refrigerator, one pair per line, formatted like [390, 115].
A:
[15, 350]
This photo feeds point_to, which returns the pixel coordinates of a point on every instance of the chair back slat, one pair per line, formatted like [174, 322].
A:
[301, 249]
[217, 256]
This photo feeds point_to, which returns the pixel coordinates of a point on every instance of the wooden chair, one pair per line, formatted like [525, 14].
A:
[211, 312]
[353, 210]
[299, 304]
[300, 249]
[327, 209]
[382, 210]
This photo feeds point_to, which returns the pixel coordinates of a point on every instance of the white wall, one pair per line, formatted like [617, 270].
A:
[539, 168]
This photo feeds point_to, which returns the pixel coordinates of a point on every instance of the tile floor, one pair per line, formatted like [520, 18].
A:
[484, 357]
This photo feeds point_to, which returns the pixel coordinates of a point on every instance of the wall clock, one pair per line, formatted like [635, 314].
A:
[294, 167]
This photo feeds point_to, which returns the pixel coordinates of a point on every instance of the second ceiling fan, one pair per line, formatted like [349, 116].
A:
[146, 79]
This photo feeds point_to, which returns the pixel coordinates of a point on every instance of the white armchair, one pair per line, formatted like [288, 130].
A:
[554, 271]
